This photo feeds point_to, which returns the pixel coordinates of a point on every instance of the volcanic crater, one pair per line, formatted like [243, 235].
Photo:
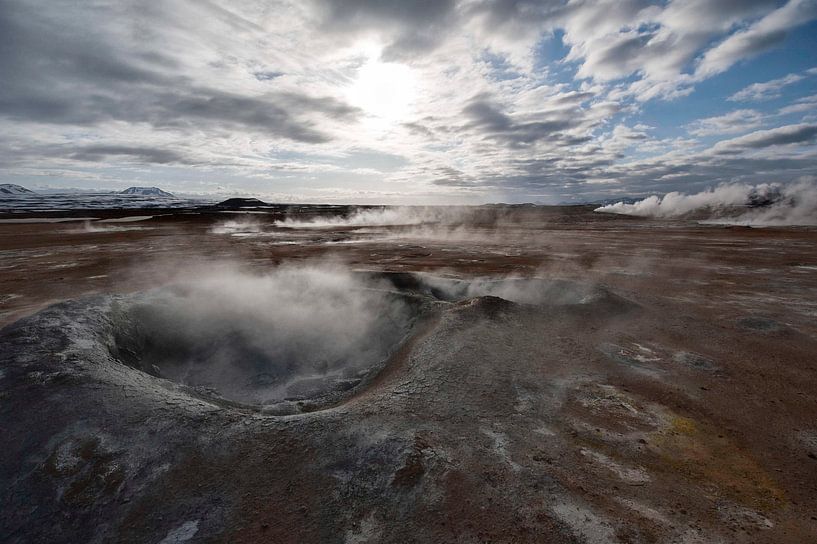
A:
[270, 353]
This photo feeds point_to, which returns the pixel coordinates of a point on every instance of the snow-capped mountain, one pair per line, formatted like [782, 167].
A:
[145, 191]
[11, 189]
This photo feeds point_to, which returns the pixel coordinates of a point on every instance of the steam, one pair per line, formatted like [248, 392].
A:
[446, 224]
[238, 227]
[522, 290]
[734, 204]
[96, 227]
[294, 332]
[377, 217]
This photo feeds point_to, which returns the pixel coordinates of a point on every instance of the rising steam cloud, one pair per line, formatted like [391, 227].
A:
[244, 226]
[98, 227]
[766, 204]
[376, 217]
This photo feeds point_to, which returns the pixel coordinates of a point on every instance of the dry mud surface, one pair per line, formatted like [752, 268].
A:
[530, 375]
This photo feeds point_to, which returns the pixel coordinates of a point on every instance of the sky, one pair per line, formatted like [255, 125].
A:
[408, 101]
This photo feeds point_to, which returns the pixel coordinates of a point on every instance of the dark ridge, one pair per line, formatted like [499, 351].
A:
[239, 203]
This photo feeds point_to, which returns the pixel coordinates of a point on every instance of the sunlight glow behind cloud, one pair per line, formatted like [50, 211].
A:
[384, 91]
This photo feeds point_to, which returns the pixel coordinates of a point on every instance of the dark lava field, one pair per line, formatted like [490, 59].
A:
[322, 374]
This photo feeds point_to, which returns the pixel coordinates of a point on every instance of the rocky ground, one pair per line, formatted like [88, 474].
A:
[626, 380]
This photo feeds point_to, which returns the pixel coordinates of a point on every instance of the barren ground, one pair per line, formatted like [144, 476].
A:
[681, 406]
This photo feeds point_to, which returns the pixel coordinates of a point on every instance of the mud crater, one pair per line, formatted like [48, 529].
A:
[302, 340]
[292, 359]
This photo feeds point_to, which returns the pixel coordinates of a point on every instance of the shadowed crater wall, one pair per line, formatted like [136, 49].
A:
[294, 334]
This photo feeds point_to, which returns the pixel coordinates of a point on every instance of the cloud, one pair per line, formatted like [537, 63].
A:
[488, 119]
[511, 100]
[616, 40]
[804, 104]
[761, 36]
[765, 90]
[267, 75]
[729, 123]
[452, 177]
[99, 153]
[410, 27]
[785, 135]
[270, 114]
[57, 71]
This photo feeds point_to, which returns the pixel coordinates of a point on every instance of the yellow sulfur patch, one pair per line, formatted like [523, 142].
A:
[701, 454]
[683, 425]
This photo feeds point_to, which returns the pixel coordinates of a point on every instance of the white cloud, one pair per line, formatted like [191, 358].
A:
[768, 89]
[799, 134]
[760, 36]
[729, 123]
[804, 104]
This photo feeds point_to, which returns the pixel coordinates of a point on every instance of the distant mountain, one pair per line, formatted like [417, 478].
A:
[238, 203]
[145, 191]
[11, 189]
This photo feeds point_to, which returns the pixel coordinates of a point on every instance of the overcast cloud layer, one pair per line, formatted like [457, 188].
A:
[408, 101]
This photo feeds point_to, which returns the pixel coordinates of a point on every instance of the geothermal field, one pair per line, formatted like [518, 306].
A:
[278, 373]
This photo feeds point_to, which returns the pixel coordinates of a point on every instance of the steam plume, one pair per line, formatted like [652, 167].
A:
[393, 216]
[766, 204]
